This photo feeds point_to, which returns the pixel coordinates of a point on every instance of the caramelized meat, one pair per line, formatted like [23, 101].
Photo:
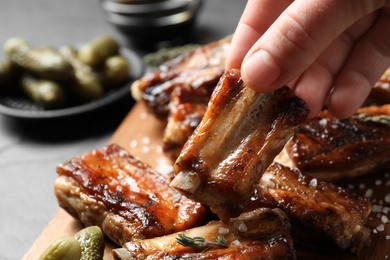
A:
[239, 136]
[125, 197]
[329, 149]
[186, 110]
[380, 93]
[260, 234]
[322, 214]
[197, 71]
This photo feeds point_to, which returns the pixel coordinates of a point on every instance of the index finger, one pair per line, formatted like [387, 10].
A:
[255, 20]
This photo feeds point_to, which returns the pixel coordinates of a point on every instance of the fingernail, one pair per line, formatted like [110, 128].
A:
[260, 70]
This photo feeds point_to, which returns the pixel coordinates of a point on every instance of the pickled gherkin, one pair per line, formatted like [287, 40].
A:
[52, 76]
[44, 92]
[7, 76]
[91, 240]
[43, 62]
[114, 71]
[63, 248]
[99, 49]
[85, 84]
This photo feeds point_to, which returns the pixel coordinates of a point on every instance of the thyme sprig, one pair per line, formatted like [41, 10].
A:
[199, 242]
[383, 119]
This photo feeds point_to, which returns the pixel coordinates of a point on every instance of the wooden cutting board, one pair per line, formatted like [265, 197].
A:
[141, 134]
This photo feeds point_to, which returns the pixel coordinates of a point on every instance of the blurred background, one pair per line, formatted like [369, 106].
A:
[30, 149]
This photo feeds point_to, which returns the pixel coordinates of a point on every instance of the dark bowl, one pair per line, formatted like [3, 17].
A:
[17, 105]
[150, 22]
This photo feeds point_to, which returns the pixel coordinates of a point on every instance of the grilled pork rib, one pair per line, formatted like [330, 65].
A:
[329, 149]
[186, 110]
[322, 214]
[125, 197]
[380, 93]
[260, 234]
[239, 136]
[197, 71]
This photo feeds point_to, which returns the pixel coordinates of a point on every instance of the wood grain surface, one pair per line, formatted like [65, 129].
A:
[141, 134]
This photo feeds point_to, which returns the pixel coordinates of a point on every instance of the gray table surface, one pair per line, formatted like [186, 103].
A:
[30, 151]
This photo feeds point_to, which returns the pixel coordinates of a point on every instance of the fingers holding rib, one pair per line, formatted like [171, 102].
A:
[296, 39]
[306, 43]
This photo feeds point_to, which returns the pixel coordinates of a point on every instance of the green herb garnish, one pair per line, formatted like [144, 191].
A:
[383, 119]
[199, 242]
[162, 55]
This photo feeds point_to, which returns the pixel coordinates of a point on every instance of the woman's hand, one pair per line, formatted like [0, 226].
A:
[325, 50]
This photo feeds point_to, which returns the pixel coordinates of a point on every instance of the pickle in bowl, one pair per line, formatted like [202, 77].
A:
[7, 76]
[96, 51]
[114, 71]
[46, 93]
[63, 76]
[85, 82]
[42, 62]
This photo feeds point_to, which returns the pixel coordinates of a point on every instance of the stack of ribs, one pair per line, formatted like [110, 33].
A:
[179, 90]
[254, 160]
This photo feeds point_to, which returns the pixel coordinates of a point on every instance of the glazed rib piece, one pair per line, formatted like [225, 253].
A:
[180, 89]
[260, 234]
[329, 149]
[125, 197]
[197, 71]
[380, 93]
[186, 110]
[322, 215]
[239, 136]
